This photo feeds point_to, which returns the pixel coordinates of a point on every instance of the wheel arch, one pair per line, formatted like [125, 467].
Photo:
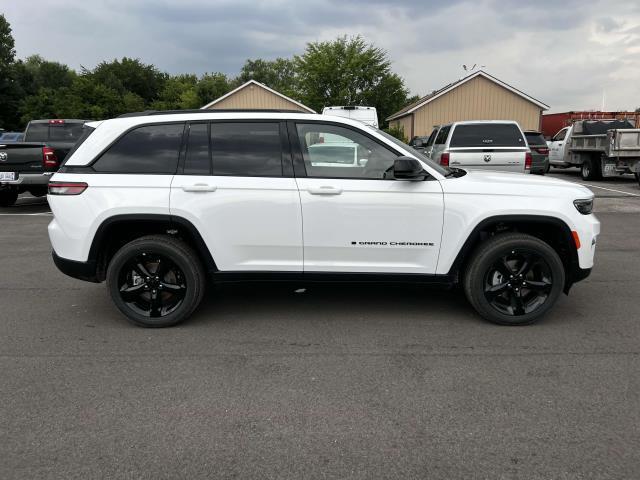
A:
[114, 232]
[552, 230]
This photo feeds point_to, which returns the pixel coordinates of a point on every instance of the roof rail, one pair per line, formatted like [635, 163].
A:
[199, 110]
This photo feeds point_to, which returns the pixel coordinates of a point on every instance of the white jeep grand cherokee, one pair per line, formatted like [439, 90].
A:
[156, 202]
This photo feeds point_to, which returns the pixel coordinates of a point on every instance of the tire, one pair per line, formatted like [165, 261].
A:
[591, 169]
[637, 175]
[8, 197]
[156, 281]
[547, 169]
[38, 191]
[483, 280]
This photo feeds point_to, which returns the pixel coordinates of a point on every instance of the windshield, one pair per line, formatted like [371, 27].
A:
[438, 168]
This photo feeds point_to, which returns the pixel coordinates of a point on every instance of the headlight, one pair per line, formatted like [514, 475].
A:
[584, 206]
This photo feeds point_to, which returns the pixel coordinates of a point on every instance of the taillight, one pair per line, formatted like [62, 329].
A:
[67, 188]
[542, 150]
[528, 160]
[49, 159]
[444, 159]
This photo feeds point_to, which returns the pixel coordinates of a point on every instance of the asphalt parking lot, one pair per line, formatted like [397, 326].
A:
[342, 382]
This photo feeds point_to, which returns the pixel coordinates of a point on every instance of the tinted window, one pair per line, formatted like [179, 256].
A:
[442, 135]
[487, 135]
[339, 152]
[37, 132]
[197, 159]
[148, 149]
[67, 132]
[246, 149]
[534, 138]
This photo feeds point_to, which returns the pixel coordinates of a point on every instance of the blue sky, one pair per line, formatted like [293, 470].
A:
[567, 54]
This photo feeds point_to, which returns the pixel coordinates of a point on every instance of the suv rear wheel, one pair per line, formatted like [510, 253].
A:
[156, 281]
[514, 279]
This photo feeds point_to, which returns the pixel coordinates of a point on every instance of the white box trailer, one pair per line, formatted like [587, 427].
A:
[366, 115]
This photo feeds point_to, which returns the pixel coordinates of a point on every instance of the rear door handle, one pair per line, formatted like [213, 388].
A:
[324, 190]
[199, 187]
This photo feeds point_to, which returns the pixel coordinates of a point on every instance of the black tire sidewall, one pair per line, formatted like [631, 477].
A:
[8, 197]
[192, 275]
[486, 256]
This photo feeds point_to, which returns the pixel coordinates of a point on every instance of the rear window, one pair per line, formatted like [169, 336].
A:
[535, 139]
[44, 132]
[487, 135]
[68, 132]
[37, 132]
[148, 149]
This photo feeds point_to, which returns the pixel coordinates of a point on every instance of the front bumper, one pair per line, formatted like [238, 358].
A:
[81, 270]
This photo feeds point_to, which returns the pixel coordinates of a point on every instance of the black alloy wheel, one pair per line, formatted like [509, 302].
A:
[514, 278]
[152, 285]
[518, 282]
[156, 280]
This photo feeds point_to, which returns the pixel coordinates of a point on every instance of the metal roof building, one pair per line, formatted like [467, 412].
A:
[478, 96]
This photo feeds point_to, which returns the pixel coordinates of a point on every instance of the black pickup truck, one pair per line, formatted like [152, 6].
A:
[27, 166]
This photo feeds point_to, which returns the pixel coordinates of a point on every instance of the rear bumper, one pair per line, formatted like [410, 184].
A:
[81, 270]
[24, 179]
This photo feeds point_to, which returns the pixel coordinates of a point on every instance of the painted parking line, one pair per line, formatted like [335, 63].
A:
[611, 189]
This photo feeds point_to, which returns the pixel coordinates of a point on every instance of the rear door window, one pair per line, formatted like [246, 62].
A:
[147, 149]
[251, 149]
[487, 135]
[198, 157]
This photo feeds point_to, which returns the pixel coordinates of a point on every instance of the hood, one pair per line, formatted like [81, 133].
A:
[512, 183]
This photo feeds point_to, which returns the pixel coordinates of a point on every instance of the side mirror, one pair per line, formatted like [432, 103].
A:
[407, 168]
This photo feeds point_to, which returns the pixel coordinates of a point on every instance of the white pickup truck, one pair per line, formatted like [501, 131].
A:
[600, 148]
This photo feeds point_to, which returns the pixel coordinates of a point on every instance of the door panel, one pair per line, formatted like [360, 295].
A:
[371, 225]
[232, 190]
[248, 223]
[356, 217]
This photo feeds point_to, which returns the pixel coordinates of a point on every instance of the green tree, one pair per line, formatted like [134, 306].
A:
[348, 71]
[279, 74]
[9, 89]
[211, 86]
[130, 75]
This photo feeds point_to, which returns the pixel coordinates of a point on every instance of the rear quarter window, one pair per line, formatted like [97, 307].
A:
[487, 135]
[146, 149]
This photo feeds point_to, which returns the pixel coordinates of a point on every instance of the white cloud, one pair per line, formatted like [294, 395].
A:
[565, 54]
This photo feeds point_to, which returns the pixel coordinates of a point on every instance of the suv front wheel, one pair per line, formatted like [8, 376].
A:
[514, 279]
[156, 281]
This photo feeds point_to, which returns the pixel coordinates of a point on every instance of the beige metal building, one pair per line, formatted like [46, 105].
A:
[478, 96]
[256, 96]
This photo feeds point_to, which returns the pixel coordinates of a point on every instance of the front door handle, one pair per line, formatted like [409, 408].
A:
[324, 190]
[199, 187]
